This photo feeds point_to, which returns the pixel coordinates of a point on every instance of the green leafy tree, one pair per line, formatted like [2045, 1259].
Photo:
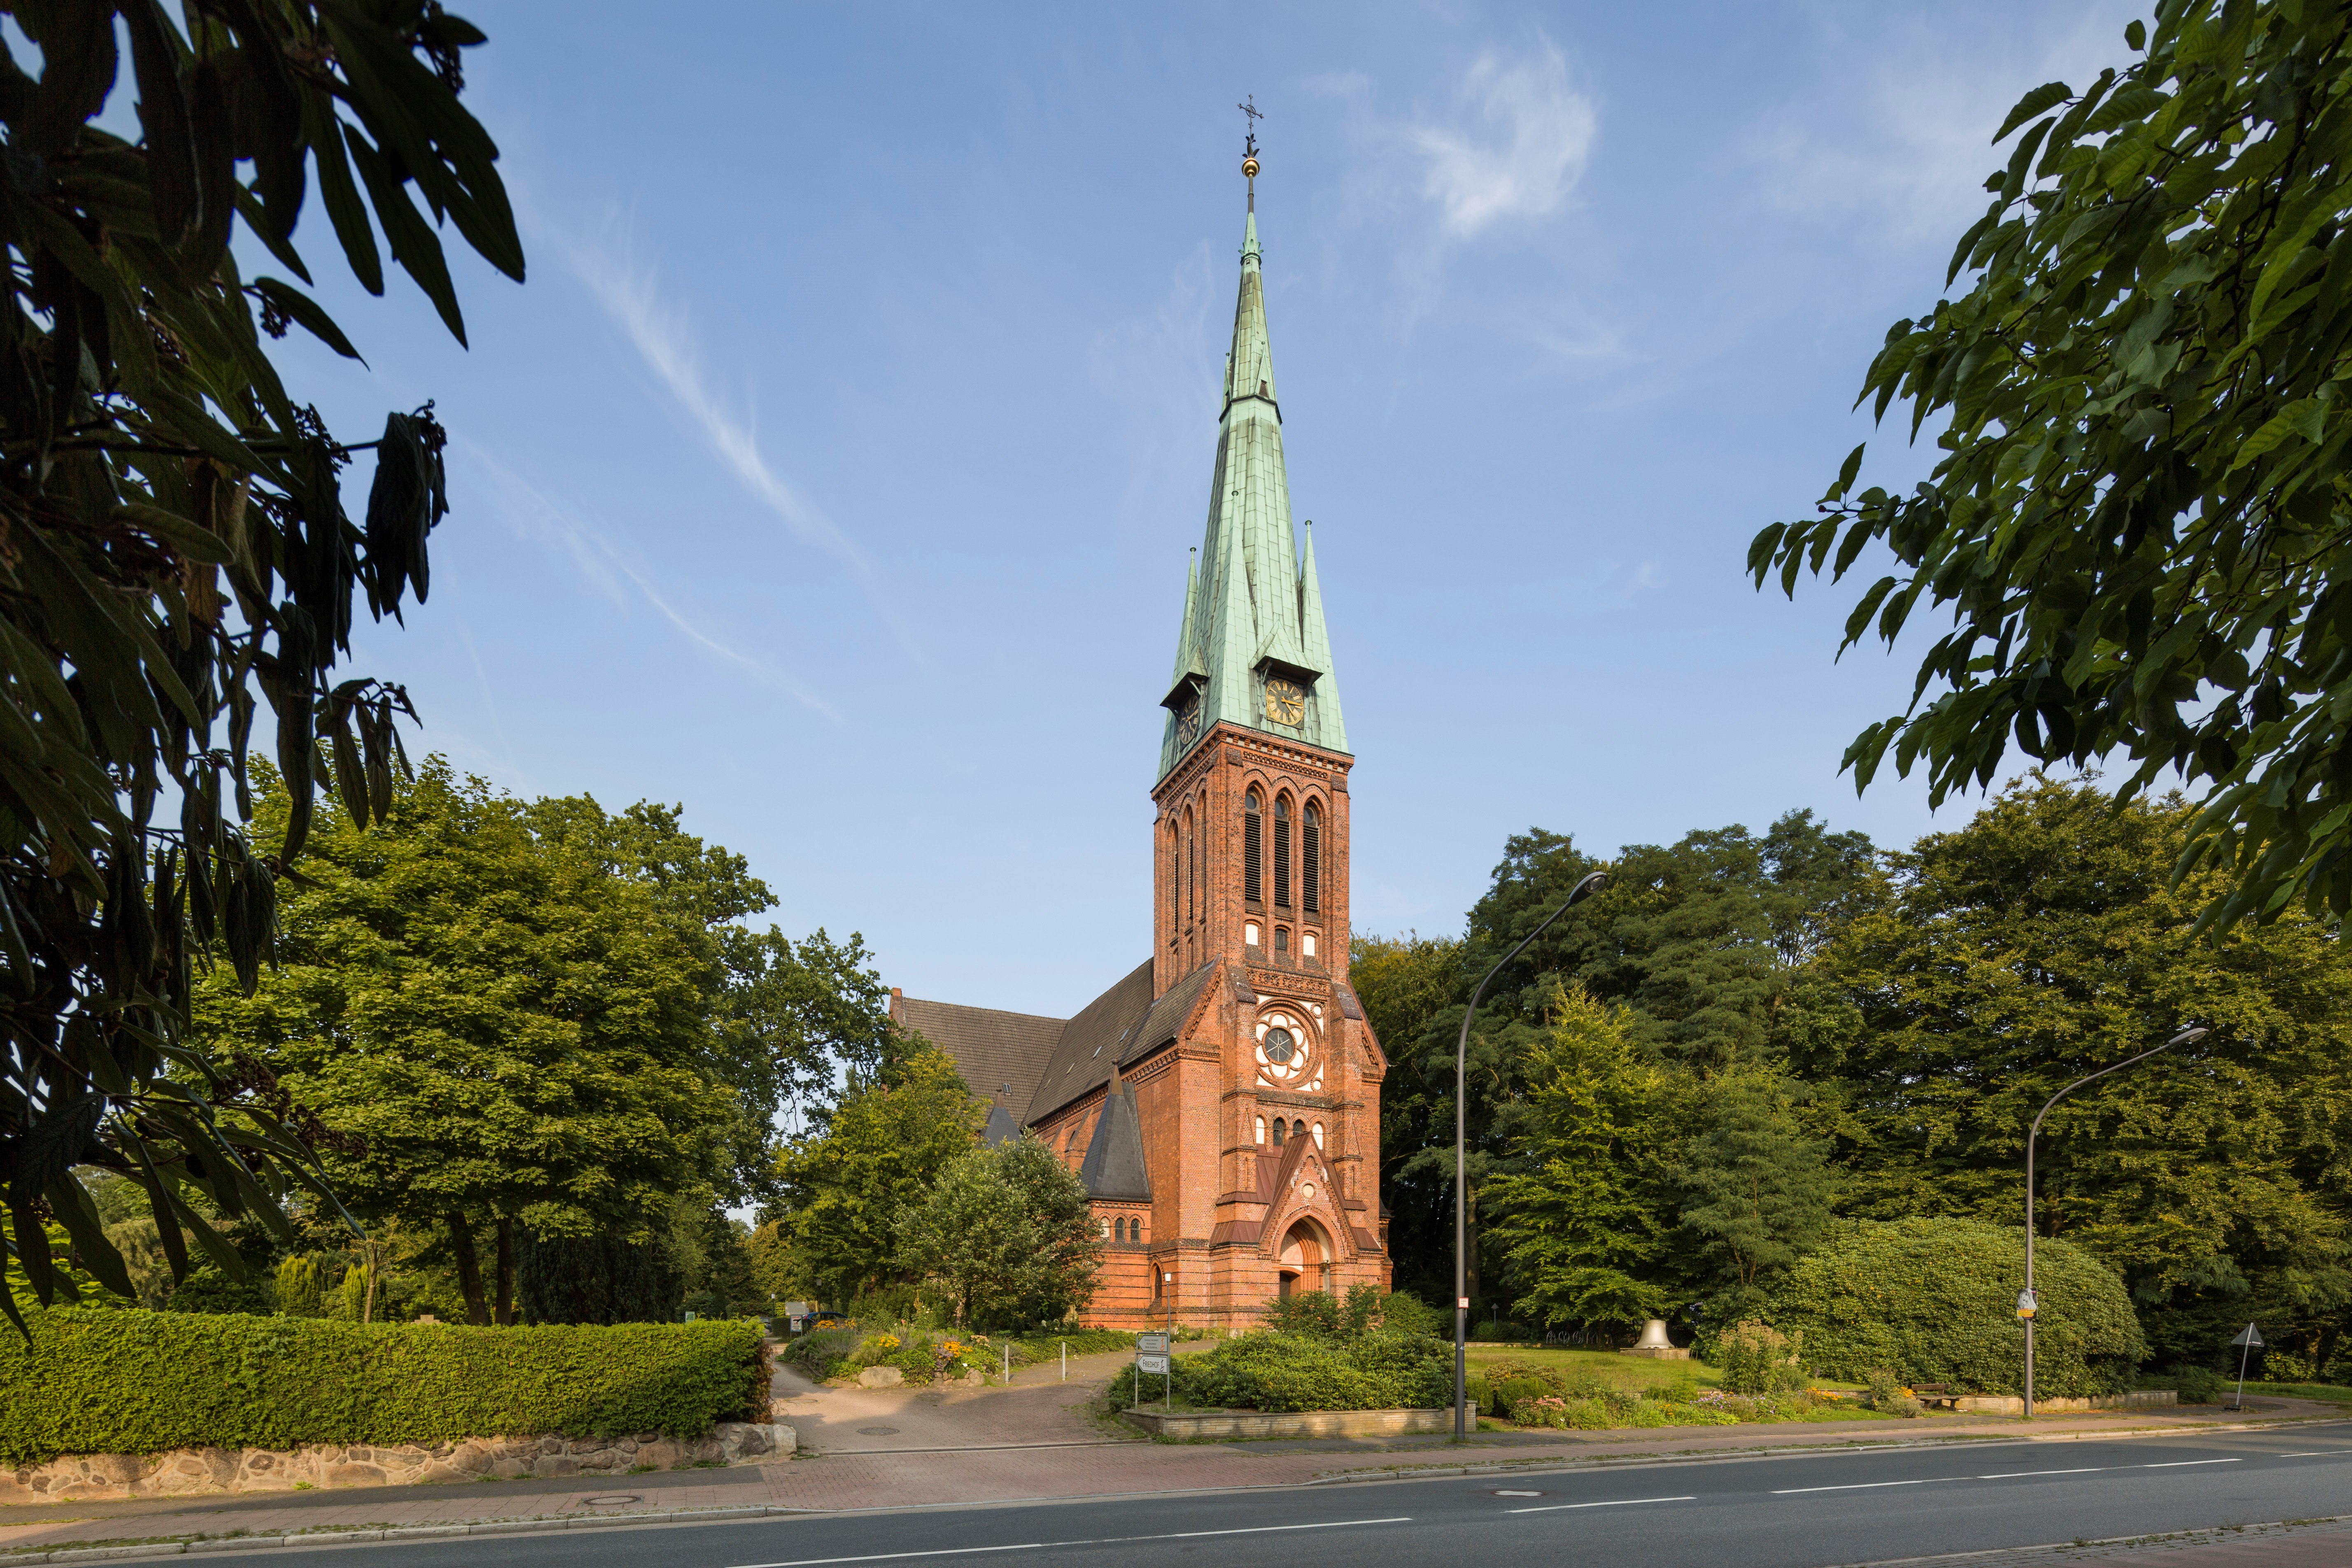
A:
[486, 1021]
[2040, 942]
[154, 454]
[302, 1287]
[1403, 983]
[866, 1160]
[1582, 1227]
[2139, 514]
[1705, 943]
[1009, 1233]
[1754, 1189]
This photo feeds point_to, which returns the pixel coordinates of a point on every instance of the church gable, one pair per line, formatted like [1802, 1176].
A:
[1000, 1056]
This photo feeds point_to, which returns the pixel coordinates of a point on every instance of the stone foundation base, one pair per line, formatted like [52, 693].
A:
[1247, 1424]
[188, 1471]
[1656, 1353]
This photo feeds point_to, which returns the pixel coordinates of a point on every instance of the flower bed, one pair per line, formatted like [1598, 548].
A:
[1529, 1394]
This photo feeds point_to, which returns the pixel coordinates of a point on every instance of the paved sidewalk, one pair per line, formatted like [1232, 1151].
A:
[894, 1475]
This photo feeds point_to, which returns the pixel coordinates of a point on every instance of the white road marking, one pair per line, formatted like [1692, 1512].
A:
[2176, 1464]
[1536, 1494]
[1098, 1541]
[2012, 1475]
[1867, 1485]
[2312, 1454]
[1612, 1502]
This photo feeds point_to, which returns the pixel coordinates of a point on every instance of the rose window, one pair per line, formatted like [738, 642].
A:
[1286, 1058]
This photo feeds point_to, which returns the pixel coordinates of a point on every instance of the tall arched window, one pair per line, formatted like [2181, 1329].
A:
[1253, 842]
[1282, 852]
[1176, 872]
[1310, 880]
[1261, 1128]
[1318, 1136]
[1192, 879]
[1281, 1131]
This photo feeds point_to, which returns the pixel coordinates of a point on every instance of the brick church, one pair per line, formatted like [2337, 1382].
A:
[1222, 1103]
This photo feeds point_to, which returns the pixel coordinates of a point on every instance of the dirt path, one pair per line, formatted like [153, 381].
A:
[1039, 1406]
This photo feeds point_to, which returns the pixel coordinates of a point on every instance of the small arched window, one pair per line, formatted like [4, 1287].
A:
[1282, 940]
[1318, 1136]
[1281, 1128]
[1310, 861]
[1261, 1128]
[1282, 852]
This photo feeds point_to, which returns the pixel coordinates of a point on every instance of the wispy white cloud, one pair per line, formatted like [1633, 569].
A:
[1517, 142]
[1895, 128]
[630, 292]
[611, 573]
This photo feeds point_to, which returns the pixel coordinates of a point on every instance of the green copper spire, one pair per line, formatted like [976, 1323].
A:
[1253, 612]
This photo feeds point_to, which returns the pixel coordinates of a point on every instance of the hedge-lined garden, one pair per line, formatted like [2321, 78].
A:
[95, 1381]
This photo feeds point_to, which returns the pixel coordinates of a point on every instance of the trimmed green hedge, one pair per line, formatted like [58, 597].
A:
[140, 1382]
[1268, 1371]
[1936, 1301]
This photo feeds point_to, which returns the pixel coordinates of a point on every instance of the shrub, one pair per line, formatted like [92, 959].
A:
[139, 1383]
[1287, 1371]
[1755, 1358]
[2194, 1385]
[1934, 1301]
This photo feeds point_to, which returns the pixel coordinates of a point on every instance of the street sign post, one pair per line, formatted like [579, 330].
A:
[2248, 1343]
[1151, 1359]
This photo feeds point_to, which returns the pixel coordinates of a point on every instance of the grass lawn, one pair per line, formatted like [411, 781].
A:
[1629, 1372]
[2328, 1392]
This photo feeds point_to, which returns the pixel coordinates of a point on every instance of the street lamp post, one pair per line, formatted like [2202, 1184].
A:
[2186, 1036]
[1583, 889]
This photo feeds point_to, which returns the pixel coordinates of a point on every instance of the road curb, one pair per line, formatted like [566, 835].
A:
[398, 1534]
[1439, 1471]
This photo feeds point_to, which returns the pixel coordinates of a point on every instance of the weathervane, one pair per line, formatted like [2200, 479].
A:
[1249, 146]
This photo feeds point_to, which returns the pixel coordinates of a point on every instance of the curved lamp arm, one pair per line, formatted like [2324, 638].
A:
[1592, 883]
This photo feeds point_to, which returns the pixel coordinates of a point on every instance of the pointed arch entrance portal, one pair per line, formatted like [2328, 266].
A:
[1304, 1259]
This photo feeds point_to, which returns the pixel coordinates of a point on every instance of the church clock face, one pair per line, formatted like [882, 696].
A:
[1284, 702]
[1188, 725]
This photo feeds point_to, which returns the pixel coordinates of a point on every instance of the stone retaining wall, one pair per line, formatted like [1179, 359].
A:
[1247, 1424]
[2014, 1405]
[186, 1471]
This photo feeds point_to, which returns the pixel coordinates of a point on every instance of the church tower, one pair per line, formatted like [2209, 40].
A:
[1222, 1103]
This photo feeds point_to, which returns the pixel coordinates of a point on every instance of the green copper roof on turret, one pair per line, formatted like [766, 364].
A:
[1253, 611]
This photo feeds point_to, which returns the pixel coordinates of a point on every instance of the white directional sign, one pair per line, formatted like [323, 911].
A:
[1157, 1365]
[1152, 1344]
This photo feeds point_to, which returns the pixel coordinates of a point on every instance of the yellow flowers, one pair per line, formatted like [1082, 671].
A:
[886, 1341]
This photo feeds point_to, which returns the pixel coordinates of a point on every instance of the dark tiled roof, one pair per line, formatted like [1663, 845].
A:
[1120, 1026]
[1114, 1162]
[1000, 1055]
[1001, 1127]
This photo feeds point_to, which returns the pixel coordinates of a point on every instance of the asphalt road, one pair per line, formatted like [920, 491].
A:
[1798, 1511]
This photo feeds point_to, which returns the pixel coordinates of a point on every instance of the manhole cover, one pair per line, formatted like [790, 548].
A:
[615, 1500]
[877, 1431]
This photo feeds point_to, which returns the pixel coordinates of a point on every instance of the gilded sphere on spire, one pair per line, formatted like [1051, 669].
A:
[1249, 167]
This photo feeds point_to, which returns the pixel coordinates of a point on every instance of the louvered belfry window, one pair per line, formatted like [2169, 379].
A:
[1252, 849]
[1282, 852]
[1310, 841]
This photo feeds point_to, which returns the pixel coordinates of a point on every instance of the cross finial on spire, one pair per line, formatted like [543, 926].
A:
[1249, 145]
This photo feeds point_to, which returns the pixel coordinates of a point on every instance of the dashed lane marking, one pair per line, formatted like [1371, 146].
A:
[1612, 1502]
[1093, 1541]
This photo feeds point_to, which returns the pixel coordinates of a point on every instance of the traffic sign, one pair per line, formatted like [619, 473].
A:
[2026, 1304]
[1152, 1344]
[2250, 1340]
[1155, 1365]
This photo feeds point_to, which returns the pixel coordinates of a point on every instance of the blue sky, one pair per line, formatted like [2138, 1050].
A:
[833, 474]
